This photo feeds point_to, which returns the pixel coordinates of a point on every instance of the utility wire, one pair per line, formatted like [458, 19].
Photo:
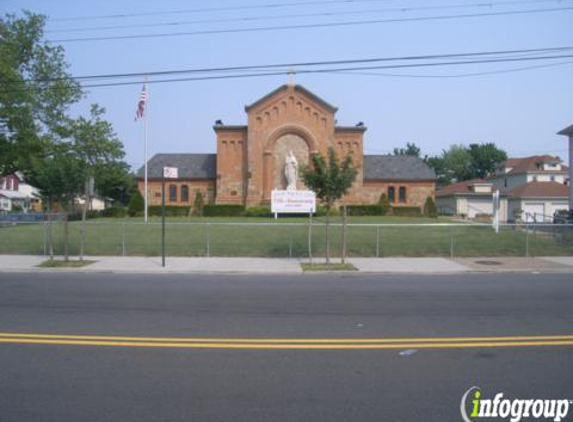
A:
[314, 25]
[306, 15]
[217, 9]
[491, 54]
[462, 75]
[312, 71]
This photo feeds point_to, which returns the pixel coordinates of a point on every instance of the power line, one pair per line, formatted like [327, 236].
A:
[491, 54]
[314, 25]
[317, 71]
[305, 15]
[216, 9]
[463, 75]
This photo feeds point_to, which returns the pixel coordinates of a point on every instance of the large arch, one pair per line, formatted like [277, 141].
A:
[286, 129]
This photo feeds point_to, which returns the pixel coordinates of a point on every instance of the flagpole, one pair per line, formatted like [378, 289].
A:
[145, 151]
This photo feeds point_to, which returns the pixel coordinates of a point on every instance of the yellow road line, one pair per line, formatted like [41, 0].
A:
[206, 345]
[285, 340]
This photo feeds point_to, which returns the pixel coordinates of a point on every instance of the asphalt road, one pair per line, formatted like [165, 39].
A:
[68, 382]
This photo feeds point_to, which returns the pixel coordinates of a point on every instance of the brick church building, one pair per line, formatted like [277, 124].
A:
[250, 158]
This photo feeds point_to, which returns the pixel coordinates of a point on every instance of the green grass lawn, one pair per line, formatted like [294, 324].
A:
[281, 238]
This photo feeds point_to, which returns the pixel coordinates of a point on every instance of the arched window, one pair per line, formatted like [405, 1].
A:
[391, 194]
[402, 194]
[172, 193]
[184, 193]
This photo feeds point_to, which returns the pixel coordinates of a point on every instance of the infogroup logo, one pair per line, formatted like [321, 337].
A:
[513, 409]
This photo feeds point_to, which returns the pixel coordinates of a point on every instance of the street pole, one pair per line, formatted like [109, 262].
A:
[145, 200]
[163, 220]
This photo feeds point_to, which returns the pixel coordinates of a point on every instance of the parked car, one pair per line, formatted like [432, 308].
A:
[563, 217]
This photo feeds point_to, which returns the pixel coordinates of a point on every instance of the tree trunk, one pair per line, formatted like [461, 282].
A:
[84, 213]
[327, 233]
[66, 238]
[50, 238]
[343, 257]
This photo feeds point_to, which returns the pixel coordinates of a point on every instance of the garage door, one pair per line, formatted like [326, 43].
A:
[533, 211]
[479, 206]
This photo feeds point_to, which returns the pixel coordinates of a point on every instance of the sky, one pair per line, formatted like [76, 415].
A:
[520, 111]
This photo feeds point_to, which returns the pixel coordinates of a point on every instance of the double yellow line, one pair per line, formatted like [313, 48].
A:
[284, 343]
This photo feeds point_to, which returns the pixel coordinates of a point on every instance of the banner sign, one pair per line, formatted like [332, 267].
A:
[293, 201]
[170, 172]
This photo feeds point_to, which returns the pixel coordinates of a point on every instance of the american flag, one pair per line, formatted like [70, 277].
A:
[141, 104]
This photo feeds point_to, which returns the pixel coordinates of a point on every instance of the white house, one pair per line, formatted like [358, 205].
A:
[531, 189]
[568, 131]
[16, 193]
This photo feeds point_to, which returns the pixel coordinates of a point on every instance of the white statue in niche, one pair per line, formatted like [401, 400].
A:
[291, 170]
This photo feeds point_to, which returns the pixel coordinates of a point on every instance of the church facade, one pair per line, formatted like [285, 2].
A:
[250, 159]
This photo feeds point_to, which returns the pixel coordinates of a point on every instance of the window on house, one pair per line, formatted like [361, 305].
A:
[172, 193]
[402, 194]
[504, 183]
[391, 194]
[184, 193]
[552, 178]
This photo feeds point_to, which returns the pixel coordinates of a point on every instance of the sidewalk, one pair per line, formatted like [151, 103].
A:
[27, 263]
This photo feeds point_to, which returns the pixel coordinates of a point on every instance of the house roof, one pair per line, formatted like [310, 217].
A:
[13, 194]
[567, 131]
[540, 190]
[396, 167]
[529, 164]
[299, 88]
[191, 166]
[463, 188]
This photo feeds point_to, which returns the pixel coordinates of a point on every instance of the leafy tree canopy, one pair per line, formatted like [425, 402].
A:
[36, 92]
[411, 149]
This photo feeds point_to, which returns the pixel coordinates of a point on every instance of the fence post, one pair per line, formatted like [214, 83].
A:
[343, 260]
[452, 228]
[310, 237]
[45, 238]
[290, 244]
[526, 241]
[377, 241]
[123, 238]
[208, 239]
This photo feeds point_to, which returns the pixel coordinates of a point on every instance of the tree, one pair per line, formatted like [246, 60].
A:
[95, 144]
[198, 204]
[411, 149]
[36, 93]
[430, 209]
[330, 180]
[136, 204]
[484, 158]
[384, 202]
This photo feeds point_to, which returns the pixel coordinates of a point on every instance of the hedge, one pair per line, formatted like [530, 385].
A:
[361, 210]
[213, 210]
[407, 211]
[258, 212]
[170, 211]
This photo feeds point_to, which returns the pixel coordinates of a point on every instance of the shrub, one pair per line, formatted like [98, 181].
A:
[407, 211]
[384, 202]
[117, 211]
[212, 210]
[321, 211]
[198, 204]
[258, 212]
[170, 211]
[430, 209]
[360, 210]
[136, 204]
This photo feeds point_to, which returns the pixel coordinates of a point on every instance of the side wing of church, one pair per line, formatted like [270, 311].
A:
[250, 159]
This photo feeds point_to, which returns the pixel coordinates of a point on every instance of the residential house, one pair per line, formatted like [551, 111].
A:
[15, 193]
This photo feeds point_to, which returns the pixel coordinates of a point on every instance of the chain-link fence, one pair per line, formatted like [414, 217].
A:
[284, 239]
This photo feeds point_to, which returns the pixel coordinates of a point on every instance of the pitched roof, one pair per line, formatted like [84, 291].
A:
[191, 166]
[540, 190]
[567, 131]
[396, 167]
[299, 88]
[529, 164]
[463, 188]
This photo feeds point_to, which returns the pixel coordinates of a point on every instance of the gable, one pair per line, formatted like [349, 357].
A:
[272, 96]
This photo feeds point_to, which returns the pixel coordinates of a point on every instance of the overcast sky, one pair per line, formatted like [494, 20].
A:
[519, 111]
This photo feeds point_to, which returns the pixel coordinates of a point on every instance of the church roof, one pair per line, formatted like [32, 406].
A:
[191, 166]
[299, 88]
[396, 167]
